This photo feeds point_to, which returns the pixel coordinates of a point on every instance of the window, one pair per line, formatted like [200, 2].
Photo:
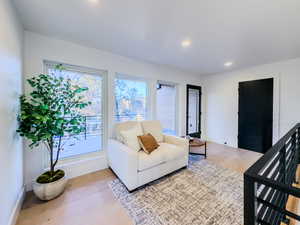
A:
[130, 99]
[91, 139]
[166, 96]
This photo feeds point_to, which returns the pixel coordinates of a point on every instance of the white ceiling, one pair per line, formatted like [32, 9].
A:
[247, 32]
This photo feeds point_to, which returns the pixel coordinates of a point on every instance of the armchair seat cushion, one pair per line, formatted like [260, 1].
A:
[146, 161]
[171, 152]
[165, 152]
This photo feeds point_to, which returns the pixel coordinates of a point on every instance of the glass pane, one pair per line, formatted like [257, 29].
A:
[130, 100]
[90, 140]
[166, 107]
[193, 117]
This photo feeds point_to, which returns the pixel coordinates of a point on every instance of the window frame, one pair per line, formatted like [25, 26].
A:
[176, 85]
[148, 93]
[96, 72]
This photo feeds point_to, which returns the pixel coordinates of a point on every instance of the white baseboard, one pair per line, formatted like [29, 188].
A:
[79, 167]
[84, 166]
[16, 210]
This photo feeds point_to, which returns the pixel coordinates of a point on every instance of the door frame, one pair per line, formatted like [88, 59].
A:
[276, 103]
[188, 87]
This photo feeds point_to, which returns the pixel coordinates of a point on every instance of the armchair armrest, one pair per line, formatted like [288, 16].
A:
[177, 141]
[123, 161]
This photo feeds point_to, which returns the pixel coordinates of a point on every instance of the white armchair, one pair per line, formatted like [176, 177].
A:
[136, 168]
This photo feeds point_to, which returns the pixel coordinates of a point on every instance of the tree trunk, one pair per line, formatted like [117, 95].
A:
[117, 111]
[51, 157]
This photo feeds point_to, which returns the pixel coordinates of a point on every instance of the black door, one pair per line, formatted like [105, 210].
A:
[193, 111]
[256, 115]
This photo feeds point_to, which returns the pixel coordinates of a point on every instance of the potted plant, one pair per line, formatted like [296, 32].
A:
[50, 113]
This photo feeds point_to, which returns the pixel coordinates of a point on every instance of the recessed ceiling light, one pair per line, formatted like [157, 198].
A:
[186, 43]
[94, 1]
[227, 64]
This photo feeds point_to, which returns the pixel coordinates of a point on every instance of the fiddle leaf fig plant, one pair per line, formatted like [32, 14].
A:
[48, 114]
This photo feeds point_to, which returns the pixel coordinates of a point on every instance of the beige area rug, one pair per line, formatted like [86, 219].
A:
[203, 194]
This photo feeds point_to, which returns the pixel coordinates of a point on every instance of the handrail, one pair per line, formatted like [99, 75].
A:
[266, 157]
[269, 182]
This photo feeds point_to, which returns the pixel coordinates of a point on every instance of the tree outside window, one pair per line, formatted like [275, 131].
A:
[130, 100]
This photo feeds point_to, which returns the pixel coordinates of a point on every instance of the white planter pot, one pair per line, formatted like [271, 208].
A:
[50, 190]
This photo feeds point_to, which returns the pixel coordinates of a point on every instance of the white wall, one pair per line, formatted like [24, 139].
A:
[11, 157]
[221, 93]
[39, 48]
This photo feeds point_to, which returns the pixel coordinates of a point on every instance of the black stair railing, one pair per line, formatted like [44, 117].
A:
[269, 183]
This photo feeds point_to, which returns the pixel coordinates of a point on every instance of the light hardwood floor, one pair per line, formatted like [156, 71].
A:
[88, 199]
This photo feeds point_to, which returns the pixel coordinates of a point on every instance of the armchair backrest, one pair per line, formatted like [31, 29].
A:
[153, 127]
[126, 126]
[148, 126]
